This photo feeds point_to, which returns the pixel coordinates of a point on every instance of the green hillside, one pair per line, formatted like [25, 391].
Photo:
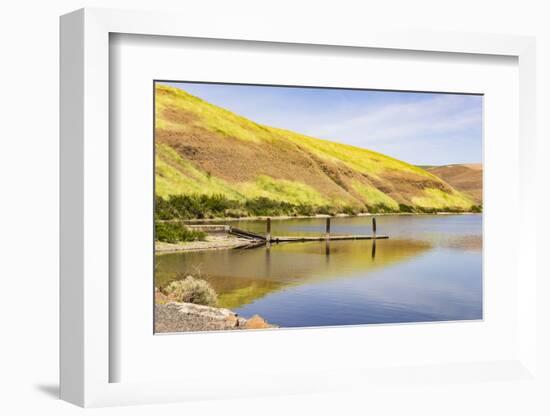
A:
[214, 157]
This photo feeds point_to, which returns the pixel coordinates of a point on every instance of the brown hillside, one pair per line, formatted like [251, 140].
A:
[202, 148]
[467, 178]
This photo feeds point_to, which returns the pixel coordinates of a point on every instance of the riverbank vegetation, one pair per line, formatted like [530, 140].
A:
[191, 290]
[170, 232]
[187, 207]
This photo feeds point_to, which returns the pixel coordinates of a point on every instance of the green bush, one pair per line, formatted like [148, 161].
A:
[379, 208]
[175, 232]
[405, 208]
[350, 210]
[427, 210]
[305, 210]
[235, 213]
[191, 290]
[193, 206]
[219, 206]
[436, 210]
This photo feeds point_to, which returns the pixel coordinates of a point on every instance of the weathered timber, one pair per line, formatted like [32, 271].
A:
[246, 234]
[332, 238]
[257, 240]
[268, 230]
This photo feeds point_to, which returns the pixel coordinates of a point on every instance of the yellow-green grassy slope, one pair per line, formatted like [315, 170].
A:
[205, 149]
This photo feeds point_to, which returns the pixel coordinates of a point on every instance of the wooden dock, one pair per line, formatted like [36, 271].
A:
[257, 240]
[331, 238]
[246, 234]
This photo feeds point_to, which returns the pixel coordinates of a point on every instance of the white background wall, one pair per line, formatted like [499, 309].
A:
[29, 56]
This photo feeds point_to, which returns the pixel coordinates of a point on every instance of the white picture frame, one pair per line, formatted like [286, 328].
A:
[85, 182]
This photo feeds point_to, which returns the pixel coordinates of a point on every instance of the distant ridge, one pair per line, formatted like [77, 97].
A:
[466, 177]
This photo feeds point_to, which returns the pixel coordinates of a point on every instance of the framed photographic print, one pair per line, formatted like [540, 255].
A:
[321, 201]
[263, 227]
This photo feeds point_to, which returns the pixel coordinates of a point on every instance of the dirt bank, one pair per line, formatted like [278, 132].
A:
[216, 241]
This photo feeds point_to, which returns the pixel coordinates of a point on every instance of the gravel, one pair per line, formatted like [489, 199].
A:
[185, 317]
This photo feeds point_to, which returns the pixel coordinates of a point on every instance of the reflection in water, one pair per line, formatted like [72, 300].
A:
[429, 269]
[268, 259]
[283, 264]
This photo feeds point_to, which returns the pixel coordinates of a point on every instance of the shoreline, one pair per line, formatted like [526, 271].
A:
[217, 241]
[225, 241]
[318, 216]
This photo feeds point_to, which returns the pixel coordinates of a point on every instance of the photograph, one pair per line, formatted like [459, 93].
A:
[300, 207]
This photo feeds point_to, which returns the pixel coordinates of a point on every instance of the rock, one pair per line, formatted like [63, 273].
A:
[256, 322]
[184, 317]
[232, 321]
[208, 312]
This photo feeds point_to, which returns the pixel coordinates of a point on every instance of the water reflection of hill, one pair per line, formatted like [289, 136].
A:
[465, 243]
[242, 276]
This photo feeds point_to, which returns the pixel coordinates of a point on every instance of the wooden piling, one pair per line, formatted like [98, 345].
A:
[268, 230]
[260, 240]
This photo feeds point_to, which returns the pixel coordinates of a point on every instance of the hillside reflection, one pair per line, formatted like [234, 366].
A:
[243, 276]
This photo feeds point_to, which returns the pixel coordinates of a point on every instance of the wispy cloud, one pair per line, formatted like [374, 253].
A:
[442, 115]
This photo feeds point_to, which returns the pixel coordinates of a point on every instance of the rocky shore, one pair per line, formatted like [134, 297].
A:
[185, 317]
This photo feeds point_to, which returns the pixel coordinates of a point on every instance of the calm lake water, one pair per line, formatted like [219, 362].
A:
[429, 270]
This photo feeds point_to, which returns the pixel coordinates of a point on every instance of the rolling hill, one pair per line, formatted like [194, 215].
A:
[202, 149]
[466, 178]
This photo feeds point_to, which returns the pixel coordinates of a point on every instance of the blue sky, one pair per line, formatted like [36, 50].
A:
[419, 128]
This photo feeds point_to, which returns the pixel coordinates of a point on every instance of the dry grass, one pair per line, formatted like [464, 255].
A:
[466, 178]
[202, 148]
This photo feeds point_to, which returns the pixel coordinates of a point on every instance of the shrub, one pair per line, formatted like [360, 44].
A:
[200, 206]
[350, 210]
[235, 213]
[164, 210]
[306, 210]
[429, 210]
[264, 206]
[193, 206]
[191, 290]
[405, 208]
[476, 208]
[175, 232]
[379, 208]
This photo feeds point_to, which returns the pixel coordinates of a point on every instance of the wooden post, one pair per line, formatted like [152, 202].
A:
[327, 232]
[268, 230]
[374, 226]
